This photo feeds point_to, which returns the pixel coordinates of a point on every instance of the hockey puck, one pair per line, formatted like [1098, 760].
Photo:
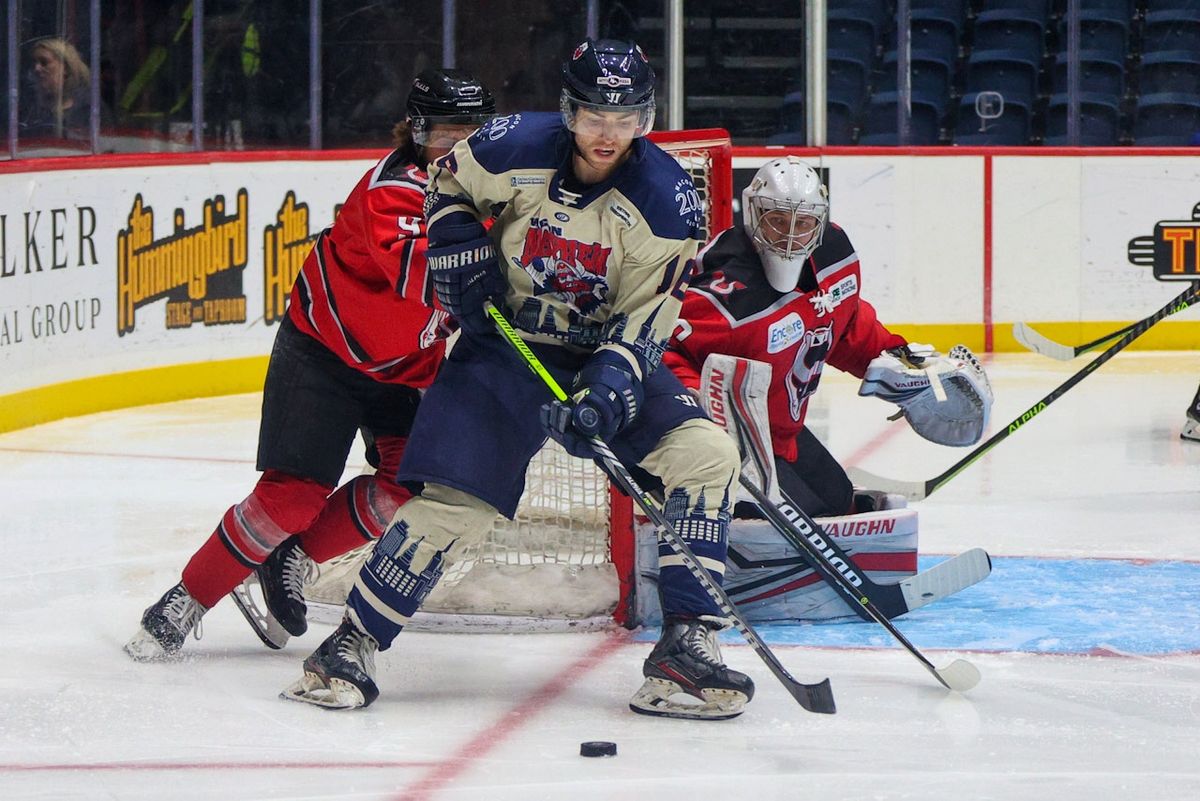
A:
[597, 748]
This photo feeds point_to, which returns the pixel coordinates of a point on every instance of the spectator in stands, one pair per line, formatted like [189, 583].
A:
[60, 105]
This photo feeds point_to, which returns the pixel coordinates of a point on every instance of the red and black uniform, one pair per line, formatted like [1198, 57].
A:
[731, 308]
[361, 338]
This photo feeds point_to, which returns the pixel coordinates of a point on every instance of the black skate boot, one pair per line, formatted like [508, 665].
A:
[687, 660]
[339, 674]
[281, 580]
[165, 626]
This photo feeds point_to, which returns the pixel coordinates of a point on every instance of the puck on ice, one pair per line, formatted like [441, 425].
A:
[597, 748]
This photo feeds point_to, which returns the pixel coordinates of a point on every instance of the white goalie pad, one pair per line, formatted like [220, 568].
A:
[946, 399]
[736, 388]
[771, 583]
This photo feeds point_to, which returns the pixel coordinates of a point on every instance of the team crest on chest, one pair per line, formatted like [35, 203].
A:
[576, 272]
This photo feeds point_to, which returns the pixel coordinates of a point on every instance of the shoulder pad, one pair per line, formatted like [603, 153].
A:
[528, 141]
[663, 193]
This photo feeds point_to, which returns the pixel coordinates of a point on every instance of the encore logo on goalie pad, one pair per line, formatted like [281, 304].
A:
[198, 270]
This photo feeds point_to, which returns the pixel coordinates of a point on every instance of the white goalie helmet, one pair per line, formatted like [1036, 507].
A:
[785, 210]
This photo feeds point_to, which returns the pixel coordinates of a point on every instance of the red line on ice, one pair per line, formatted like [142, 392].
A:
[521, 714]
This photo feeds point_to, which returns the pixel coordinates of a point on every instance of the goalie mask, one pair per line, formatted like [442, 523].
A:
[609, 75]
[785, 210]
[446, 97]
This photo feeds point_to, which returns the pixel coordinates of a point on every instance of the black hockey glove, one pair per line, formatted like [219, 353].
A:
[465, 275]
[607, 398]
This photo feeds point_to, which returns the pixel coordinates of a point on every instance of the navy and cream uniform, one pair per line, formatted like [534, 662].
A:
[588, 268]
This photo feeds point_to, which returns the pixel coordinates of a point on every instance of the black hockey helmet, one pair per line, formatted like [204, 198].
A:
[451, 97]
[608, 75]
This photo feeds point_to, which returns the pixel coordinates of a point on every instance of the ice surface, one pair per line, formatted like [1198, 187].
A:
[1087, 633]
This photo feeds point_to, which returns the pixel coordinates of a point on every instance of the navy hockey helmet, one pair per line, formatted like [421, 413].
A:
[608, 75]
[450, 97]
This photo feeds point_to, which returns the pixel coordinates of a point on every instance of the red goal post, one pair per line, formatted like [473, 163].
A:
[568, 559]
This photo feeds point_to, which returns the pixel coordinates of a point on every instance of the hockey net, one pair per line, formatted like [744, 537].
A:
[566, 561]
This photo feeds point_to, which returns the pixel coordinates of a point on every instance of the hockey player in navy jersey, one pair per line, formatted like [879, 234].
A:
[785, 288]
[1191, 422]
[592, 248]
[362, 336]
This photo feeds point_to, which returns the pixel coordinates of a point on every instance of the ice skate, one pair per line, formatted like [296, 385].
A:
[339, 674]
[685, 677]
[1191, 429]
[165, 626]
[280, 580]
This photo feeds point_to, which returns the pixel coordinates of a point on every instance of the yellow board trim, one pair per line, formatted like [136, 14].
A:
[233, 376]
[136, 388]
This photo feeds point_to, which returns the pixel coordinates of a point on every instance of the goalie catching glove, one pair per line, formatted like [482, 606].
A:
[946, 399]
[465, 275]
[607, 398]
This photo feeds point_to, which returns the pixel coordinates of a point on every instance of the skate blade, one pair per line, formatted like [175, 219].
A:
[268, 629]
[667, 699]
[142, 647]
[334, 694]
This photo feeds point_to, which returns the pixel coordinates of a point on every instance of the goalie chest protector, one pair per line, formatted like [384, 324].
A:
[730, 308]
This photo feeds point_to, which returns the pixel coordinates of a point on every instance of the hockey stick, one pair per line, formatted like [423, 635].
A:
[820, 551]
[803, 532]
[1064, 353]
[1038, 343]
[813, 697]
[916, 490]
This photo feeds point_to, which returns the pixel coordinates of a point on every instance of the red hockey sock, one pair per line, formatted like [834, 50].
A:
[359, 512]
[213, 571]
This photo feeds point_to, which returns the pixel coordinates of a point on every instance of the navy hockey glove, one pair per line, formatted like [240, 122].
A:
[465, 275]
[607, 398]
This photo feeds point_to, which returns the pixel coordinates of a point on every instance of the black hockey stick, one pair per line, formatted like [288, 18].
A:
[813, 697]
[916, 490]
[810, 539]
[821, 552]
[1038, 343]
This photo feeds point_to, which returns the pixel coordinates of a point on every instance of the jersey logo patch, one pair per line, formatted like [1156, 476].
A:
[781, 335]
[575, 272]
[825, 302]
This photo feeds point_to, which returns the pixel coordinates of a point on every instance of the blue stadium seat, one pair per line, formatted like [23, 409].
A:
[933, 32]
[878, 10]
[1170, 30]
[1119, 8]
[846, 79]
[1011, 74]
[853, 33]
[1038, 9]
[1170, 71]
[1166, 119]
[879, 123]
[841, 120]
[1011, 128]
[1010, 30]
[1102, 31]
[952, 9]
[1099, 74]
[1099, 120]
[932, 77]
[1176, 6]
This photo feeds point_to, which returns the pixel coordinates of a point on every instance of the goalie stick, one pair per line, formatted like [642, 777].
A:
[1038, 343]
[835, 567]
[813, 697]
[917, 490]
[736, 415]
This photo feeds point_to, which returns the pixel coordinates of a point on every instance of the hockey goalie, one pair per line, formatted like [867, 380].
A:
[772, 302]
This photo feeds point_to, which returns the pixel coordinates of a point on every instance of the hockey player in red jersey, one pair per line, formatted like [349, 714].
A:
[785, 288]
[361, 338]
